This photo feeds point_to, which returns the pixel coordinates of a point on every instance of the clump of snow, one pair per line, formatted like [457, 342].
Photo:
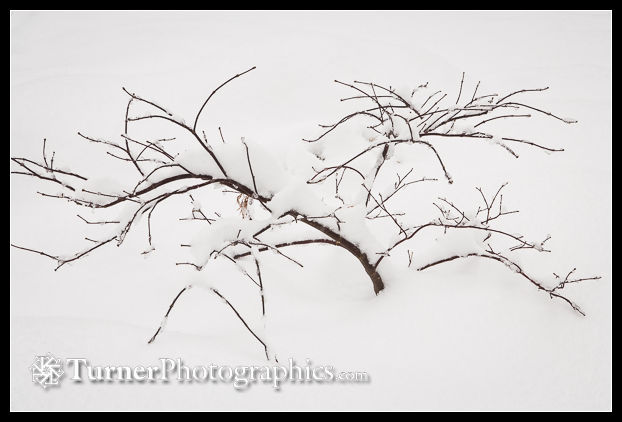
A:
[512, 266]
[454, 242]
[387, 127]
[406, 93]
[317, 148]
[222, 232]
[355, 229]
[270, 176]
[298, 196]
[196, 160]
[467, 130]
[390, 152]
[369, 134]
[352, 212]
[401, 128]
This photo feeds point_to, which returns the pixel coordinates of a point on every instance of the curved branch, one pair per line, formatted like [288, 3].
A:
[62, 261]
[509, 263]
[265, 347]
[196, 119]
[170, 308]
[293, 243]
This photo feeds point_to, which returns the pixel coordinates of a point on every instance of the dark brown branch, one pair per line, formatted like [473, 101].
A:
[505, 116]
[265, 347]
[460, 92]
[96, 222]
[382, 206]
[263, 301]
[196, 119]
[565, 120]
[370, 269]
[521, 91]
[62, 261]
[285, 244]
[250, 166]
[170, 308]
[517, 269]
[179, 123]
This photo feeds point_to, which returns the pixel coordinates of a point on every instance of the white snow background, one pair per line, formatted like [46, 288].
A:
[467, 335]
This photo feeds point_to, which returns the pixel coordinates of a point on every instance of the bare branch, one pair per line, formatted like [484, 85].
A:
[196, 119]
[265, 347]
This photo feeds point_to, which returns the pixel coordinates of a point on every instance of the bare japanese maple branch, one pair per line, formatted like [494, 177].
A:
[265, 347]
[515, 267]
[170, 308]
[393, 120]
[196, 119]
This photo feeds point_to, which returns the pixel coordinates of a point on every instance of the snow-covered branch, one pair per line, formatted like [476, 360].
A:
[346, 198]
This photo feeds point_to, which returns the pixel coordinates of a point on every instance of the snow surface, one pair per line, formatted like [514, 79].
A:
[468, 335]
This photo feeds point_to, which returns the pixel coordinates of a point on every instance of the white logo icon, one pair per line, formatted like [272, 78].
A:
[46, 370]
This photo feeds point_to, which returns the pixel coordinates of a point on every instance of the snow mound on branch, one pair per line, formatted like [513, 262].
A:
[369, 134]
[221, 233]
[298, 196]
[404, 92]
[456, 242]
[198, 161]
[270, 175]
[355, 229]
